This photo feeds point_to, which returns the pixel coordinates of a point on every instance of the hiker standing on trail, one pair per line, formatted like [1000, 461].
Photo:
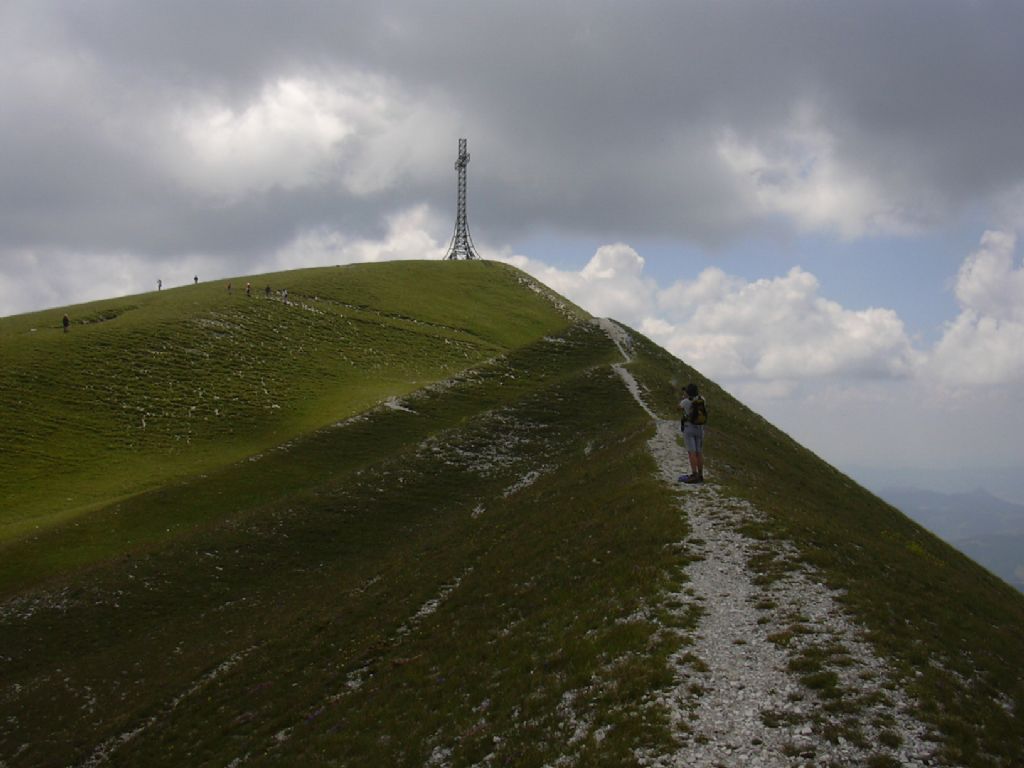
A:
[695, 415]
[67, 323]
[159, 284]
[248, 290]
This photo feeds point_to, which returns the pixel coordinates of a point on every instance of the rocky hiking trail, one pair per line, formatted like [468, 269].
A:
[776, 673]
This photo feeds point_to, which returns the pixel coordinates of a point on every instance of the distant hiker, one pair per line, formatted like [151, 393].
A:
[195, 280]
[159, 284]
[284, 295]
[248, 290]
[67, 323]
[229, 287]
[695, 416]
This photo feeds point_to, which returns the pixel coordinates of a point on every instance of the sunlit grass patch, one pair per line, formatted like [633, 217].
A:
[166, 385]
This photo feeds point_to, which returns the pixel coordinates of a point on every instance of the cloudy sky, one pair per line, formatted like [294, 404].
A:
[818, 204]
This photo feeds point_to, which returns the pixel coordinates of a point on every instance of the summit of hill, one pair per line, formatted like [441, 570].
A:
[143, 390]
[427, 513]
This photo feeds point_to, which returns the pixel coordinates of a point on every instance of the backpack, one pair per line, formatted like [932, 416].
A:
[698, 412]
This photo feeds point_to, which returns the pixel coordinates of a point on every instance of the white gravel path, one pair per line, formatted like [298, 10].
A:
[736, 700]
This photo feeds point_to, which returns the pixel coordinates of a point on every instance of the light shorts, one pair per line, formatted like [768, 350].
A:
[693, 437]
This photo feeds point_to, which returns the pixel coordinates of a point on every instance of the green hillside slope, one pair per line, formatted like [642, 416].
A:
[165, 385]
[486, 571]
[954, 630]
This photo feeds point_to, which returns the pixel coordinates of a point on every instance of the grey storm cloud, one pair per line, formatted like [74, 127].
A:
[603, 118]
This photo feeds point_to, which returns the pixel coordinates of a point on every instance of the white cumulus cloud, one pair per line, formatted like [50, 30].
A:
[411, 234]
[285, 138]
[360, 131]
[771, 330]
[773, 333]
[612, 283]
[781, 329]
[985, 343]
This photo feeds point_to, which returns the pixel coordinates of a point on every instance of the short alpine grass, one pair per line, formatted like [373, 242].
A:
[447, 544]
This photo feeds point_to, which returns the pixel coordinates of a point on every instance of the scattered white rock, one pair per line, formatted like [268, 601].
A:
[394, 404]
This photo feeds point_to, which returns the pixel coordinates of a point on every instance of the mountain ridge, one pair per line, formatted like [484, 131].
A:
[492, 569]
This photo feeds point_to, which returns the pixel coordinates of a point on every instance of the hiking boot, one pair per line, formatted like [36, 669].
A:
[694, 480]
[684, 478]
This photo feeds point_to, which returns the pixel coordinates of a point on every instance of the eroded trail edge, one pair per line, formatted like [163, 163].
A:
[776, 673]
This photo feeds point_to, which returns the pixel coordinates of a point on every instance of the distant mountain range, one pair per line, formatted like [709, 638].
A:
[982, 526]
[1005, 482]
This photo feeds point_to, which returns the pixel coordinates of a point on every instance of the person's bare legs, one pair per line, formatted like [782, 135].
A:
[696, 465]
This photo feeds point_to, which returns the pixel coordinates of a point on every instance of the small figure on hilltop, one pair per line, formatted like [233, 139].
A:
[66, 323]
[229, 288]
[248, 290]
[695, 416]
[268, 292]
[195, 280]
[159, 284]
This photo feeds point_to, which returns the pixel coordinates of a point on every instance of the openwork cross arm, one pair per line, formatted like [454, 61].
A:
[462, 246]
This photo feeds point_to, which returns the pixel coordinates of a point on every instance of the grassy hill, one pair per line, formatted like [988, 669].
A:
[473, 572]
[147, 389]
